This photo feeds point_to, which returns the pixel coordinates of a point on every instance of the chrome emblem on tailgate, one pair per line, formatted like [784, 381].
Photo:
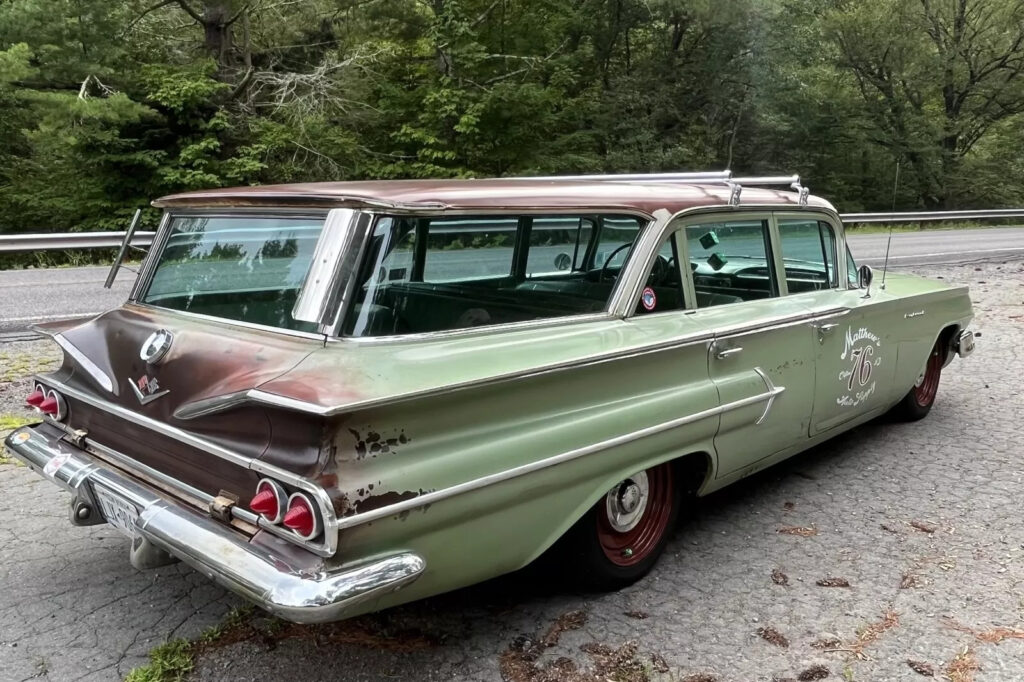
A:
[147, 390]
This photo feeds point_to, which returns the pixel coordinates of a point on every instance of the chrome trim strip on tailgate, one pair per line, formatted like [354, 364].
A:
[260, 575]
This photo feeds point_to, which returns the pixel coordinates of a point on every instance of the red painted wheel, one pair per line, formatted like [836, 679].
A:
[620, 539]
[927, 385]
[636, 515]
[921, 396]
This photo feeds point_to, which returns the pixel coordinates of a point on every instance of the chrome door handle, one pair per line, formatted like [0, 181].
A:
[827, 328]
[723, 354]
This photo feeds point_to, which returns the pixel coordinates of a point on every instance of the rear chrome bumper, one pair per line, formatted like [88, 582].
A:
[215, 550]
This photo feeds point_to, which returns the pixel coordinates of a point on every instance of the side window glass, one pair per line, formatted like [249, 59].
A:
[808, 255]
[613, 244]
[852, 277]
[398, 263]
[468, 249]
[558, 244]
[730, 262]
[663, 288]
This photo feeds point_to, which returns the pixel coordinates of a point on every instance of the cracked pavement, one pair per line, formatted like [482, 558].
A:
[923, 520]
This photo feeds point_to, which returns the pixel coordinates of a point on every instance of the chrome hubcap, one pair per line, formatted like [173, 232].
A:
[626, 502]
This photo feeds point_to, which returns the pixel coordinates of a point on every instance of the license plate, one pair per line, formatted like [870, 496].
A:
[118, 512]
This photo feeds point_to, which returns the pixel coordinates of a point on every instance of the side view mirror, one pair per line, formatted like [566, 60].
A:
[865, 275]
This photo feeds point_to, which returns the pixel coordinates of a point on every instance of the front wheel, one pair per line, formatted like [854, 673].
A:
[918, 402]
[619, 540]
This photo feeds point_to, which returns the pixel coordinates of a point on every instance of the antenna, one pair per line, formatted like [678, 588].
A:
[888, 242]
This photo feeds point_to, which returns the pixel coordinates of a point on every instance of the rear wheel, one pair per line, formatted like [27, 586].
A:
[620, 539]
[918, 402]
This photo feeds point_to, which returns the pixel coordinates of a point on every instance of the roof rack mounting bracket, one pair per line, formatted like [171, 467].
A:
[735, 190]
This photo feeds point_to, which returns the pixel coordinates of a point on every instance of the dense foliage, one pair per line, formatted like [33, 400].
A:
[105, 104]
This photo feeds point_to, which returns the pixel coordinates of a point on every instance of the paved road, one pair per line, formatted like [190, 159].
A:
[922, 520]
[34, 295]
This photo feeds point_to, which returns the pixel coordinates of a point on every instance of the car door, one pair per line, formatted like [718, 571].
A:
[762, 357]
[855, 357]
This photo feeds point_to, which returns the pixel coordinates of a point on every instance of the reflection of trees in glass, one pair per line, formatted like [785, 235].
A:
[280, 248]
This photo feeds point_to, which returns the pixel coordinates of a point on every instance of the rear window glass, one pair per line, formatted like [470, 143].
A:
[433, 274]
[247, 269]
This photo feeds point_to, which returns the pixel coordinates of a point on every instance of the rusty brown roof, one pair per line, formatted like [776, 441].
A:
[504, 193]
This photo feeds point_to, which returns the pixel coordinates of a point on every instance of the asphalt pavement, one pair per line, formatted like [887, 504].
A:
[28, 296]
[892, 553]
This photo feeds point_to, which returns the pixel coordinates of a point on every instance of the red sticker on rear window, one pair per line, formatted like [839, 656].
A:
[649, 299]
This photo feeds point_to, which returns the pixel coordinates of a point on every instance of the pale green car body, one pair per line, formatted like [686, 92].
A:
[437, 460]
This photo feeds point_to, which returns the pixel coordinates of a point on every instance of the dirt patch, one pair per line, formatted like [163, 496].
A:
[921, 668]
[802, 531]
[773, 636]
[779, 578]
[573, 620]
[832, 582]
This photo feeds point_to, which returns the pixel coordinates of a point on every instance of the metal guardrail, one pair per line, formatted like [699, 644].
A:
[925, 216]
[10, 243]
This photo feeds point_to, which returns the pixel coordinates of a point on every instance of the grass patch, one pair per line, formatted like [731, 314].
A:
[9, 422]
[18, 365]
[169, 662]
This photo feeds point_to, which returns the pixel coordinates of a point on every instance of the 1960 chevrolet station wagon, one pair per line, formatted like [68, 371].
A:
[334, 398]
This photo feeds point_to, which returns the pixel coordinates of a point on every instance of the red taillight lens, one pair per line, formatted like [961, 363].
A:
[53, 405]
[302, 516]
[270, 500]
[50, 405]
[36, 397]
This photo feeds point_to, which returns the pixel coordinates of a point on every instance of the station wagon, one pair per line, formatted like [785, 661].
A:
[333, 398]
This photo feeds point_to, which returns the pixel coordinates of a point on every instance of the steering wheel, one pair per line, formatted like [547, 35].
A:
[608, 260]
[661, 270]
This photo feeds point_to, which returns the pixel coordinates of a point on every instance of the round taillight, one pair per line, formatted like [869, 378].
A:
[36, 397]
[54, 406]
[302, 516]
[270, 500]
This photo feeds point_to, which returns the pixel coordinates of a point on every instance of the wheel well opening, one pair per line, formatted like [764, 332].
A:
[692, 471]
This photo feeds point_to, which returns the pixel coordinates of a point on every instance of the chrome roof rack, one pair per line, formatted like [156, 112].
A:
[735, 184]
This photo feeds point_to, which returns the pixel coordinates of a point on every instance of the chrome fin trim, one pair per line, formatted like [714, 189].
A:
[87, 365]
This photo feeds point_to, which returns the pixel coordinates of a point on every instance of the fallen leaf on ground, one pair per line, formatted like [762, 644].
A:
[815, 672]
[779, 578]
[921, 668]
[924, 526]
[773, 636]
[833, 582]
[802, 531]
[963, 666]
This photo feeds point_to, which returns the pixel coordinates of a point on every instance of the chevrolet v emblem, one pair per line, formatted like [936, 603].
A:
[147, 390]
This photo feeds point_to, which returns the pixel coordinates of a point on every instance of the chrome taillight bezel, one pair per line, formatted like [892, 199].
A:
[318, 522]
[280, 494]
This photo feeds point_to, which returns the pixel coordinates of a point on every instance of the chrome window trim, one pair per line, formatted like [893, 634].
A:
[326, 548]
[484, 481]
[312, 336]
[150, 259]
[87, 365]
[330, 267]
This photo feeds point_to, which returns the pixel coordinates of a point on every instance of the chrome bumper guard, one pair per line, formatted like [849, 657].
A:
[965, 343]
[212, 548]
